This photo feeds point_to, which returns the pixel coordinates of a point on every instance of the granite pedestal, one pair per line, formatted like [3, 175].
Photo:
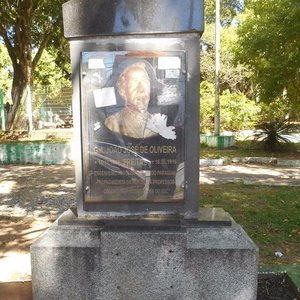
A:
[212, 258]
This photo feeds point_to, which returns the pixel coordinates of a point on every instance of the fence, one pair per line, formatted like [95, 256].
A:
[52, 107]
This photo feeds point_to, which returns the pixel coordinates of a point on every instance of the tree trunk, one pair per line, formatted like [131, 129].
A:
[17, 118]
[16, 113]
[29, 108]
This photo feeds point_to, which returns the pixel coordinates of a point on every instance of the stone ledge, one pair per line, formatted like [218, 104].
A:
[208, 217]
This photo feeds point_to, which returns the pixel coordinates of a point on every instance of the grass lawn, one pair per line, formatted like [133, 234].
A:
[250, 148]
[270, 215]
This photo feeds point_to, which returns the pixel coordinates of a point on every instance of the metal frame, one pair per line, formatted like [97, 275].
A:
[188, 43]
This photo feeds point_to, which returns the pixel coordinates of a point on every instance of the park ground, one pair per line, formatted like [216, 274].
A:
[32, 197]
[264, 199]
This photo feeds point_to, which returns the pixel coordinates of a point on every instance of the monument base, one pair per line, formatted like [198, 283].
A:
[212, 258]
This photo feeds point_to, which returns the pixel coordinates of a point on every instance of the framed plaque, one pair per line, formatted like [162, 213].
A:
[134, 106]
[136, 115]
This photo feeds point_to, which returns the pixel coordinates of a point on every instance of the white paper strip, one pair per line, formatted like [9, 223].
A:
[97, 126]
[171, 62]
[171, 73]
[96, 63]
[105, 97]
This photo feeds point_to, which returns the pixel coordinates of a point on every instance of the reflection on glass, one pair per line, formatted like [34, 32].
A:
[134, 107]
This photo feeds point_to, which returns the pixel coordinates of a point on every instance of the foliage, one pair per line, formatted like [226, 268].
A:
[5, 73]
[272, 133]
[269, 43]
[232, 76]
[50, 82]
[27, 28]
[50, 85]
[207, 102]
[207, 54]
[237, 112]
[275, 110]
[229, 9]
[48, 73]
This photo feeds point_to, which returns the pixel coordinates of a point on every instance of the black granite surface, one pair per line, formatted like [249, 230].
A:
[83, 18]
[208, 217]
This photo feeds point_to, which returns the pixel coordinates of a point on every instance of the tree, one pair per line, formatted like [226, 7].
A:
[228, 10]
[5, 72]
[234, 77]
[237, 111]
[49, 73]
[269, 43]
[212, 63]
[27, 27]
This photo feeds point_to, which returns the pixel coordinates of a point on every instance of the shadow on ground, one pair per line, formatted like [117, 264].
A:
[36, 191]
[31, 198]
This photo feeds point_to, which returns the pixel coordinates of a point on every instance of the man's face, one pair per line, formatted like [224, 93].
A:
[135, 88]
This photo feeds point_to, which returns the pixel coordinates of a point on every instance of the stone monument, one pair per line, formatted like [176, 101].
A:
[137, 231]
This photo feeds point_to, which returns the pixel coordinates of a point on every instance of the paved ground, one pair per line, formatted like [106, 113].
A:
[45, 191]
[31, 198]
[250, 174]
[36, 191]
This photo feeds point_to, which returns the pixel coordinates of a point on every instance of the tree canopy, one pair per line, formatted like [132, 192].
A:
[262, 36]
[269, 43]
[27, 27]
[236, 110]
[233, 77]
[6, 72]
[229, 9]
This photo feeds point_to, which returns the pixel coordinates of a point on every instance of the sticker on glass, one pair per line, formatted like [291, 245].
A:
[104, 97]
[165, 63]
